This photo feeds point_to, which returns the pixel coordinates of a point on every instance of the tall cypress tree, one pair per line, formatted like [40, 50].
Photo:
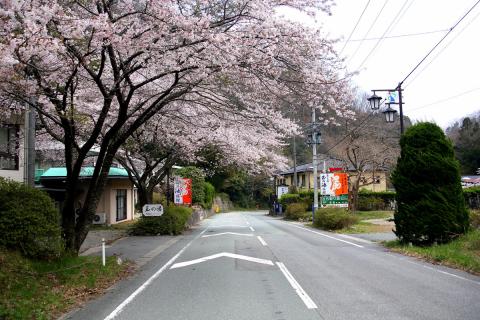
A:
[430, 203]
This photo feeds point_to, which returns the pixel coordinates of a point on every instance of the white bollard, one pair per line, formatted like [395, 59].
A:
[103, 252]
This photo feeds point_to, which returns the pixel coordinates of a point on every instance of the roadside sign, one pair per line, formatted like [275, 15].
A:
[333, 184]
[281, 190]
[335, 201]
[152, 210]
[182, 191]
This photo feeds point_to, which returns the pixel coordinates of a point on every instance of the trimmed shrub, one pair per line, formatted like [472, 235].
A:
[172, 222]
[369, 200]
[430, 202]
[209, 191]
[475, 219]
[198, 181]
[295, 211]
[333, 218]
[29, 221]
[288, 198]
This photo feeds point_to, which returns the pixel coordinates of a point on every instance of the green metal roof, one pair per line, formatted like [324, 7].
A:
[84, 173]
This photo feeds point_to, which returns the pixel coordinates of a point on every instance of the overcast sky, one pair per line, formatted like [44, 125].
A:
[446, 86]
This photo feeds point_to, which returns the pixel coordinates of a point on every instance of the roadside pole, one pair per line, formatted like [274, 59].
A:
[314, 152]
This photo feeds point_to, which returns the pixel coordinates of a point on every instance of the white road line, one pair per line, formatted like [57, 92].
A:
[248, 223]
[355, 238]
[261, 241]
[222, 233]
[122, 305]
[219, 255]
[227, 226]
[251, 228]
[296, 286]
[324, 235]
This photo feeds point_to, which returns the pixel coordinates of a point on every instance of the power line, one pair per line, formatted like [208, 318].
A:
[443, 49]
[401, 16]
[441, 40]
[402, 35]
[356, 25]
[383, 35]
[445, 99]
[369, 29]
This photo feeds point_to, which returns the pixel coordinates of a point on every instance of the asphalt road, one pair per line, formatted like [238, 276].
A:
[245, 265]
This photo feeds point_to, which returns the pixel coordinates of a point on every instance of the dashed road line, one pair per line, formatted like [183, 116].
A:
[223, 233]
[296, 286]
[261, 241]
[251, 228]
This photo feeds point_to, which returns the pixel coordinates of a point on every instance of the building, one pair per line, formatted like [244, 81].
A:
[116, 203]
[372, 180]
[12, 148]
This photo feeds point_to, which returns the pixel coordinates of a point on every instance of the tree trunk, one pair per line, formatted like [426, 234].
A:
[354, 195]
[145, 195]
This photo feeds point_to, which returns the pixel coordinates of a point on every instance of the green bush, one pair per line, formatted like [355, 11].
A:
[198, 180]
[370, 200]
[172, 222]
[209, 191]
[430, 202]
[288, 198]
[29, 221]
[333, 218]
[295, 211]
[475, 219]
[472, 197]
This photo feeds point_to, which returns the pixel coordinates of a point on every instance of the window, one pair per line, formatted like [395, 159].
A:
[9, 147]
[121, 204]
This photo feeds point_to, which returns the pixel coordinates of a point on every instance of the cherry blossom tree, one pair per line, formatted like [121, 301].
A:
[101, 69]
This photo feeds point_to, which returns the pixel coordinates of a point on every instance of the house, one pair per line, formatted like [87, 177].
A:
[470, 181]
[372, 180]
[116, 203]
[13, 151]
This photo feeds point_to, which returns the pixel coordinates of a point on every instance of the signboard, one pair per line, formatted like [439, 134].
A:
[281, 190]
[152, 210]
[182, 191]
[333, 184]
[335, 201]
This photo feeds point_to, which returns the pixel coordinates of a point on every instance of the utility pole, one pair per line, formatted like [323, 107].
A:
[314, 160]
[295, 177]
[29, 146]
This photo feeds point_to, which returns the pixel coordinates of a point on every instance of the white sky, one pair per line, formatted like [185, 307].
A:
[451, 77]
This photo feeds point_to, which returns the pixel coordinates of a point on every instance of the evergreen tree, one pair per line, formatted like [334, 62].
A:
[430, 203]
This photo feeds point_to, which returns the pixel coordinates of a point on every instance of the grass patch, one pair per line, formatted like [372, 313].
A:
[366, 227]
[45, 290]
[462, 253]
[365, 215]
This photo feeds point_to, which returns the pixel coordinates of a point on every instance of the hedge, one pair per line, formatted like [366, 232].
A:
[369, 200]
[172, 222]
[333, 218]
[296, 211]
[209, 191]
[29, 221]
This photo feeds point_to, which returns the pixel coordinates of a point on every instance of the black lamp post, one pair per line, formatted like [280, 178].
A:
[389, 113]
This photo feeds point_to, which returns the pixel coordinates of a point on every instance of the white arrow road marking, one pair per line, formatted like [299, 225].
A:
[227, 226]
[261, 241]
[296, 286]
[222, 233]
[219, 255]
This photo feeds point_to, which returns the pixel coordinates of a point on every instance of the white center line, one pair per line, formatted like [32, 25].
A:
[261, 241]
[296, 286]
[251, 228]
[325, 235]
[122, 305]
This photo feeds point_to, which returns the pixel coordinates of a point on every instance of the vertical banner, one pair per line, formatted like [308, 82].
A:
[333, 184]
[182, 191]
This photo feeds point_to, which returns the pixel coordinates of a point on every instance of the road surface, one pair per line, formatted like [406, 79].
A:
[244, 265]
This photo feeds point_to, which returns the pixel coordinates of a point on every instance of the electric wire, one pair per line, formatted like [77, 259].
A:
[402, 35]
[383, 36]
[439, 42]
[445, 99]
[441, 50]
[401, 16]
[355, 27]
[369, 29]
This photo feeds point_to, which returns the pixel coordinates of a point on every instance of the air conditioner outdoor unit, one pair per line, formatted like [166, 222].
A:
[100, 218]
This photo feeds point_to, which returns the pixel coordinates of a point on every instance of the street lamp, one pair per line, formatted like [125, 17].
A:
[374, 101]
[389, 114]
